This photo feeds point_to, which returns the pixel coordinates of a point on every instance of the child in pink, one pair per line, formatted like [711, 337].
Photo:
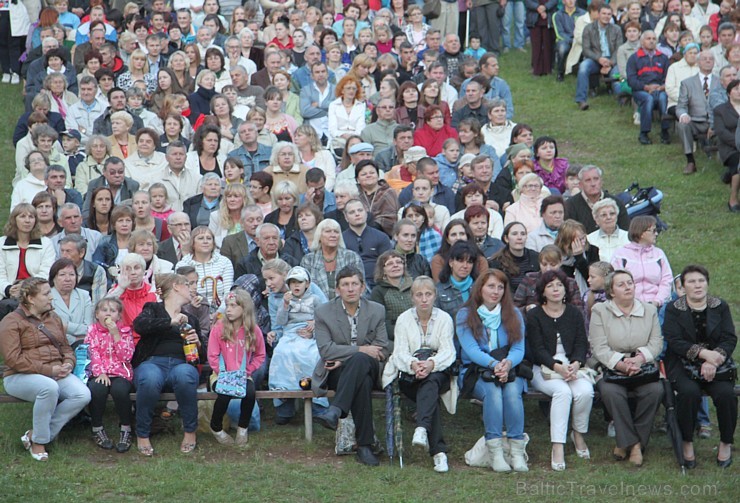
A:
[111, 346]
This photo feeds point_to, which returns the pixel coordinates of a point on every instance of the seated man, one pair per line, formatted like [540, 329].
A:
[380, 132]
[403, 139]
[268, 248]
[70, 219]
[579, 207]
[692, 108]
[646, 72]
[565, 24]
[367, 241]
[351, 335]
[601, 41]
[55, 179]
[175, 247]
[90, 276]
[475, 106]
[114, 177]
[254, 155]
[240, 244]
[316, 192]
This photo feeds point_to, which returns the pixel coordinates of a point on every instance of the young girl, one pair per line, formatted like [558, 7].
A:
[233, 171]
[111, 346]
[158, 201]
[429, 239]
[448, 162]
[706, 38]
[597, 273]
[422, 191]
[234, 338]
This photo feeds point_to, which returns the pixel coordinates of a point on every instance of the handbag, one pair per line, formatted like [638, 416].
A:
[422, 354]
[648, 374]
[232, 383]
[432, 9]
[725, 372]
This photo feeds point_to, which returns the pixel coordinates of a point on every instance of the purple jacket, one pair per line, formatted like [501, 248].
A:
[556, 179]
[650, 269]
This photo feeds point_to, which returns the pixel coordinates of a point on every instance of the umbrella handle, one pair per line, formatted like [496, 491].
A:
[661, 366]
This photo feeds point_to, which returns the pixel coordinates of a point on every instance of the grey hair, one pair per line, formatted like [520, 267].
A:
[646, 32]
[347, 187]
[54, 168]
[70, 206]
[267, 225]
[280, 146]
[589, 167]
[327, 223]
[209, 176]
[79, 242]
[496, 103]
[607, 202]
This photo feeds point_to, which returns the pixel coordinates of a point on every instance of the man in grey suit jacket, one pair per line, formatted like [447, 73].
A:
[352, 339]
[596, 57]
[692, 108]
[123, 188]
[237, 246]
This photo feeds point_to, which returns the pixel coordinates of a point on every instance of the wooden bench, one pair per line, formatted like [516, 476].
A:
[306, 396]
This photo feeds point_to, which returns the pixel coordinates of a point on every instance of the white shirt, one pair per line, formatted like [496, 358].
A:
[180, 187]
[145, 171]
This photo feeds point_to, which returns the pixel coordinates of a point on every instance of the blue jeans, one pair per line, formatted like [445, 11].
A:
[586, 68]
[54, 402]
[646, 103]
[152, 377]
[514, 11]
[562, 48]
[703, 415]
[501, 406]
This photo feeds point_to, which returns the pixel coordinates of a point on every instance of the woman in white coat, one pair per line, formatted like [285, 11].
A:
[422, 354]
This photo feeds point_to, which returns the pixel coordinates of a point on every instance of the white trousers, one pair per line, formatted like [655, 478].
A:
[577, 394]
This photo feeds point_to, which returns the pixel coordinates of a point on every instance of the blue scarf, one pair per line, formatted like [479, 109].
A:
[491, 319]
[463, 286]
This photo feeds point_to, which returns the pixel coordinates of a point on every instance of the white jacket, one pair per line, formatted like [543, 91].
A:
[20, 23]
[40, 256]
[25, 190]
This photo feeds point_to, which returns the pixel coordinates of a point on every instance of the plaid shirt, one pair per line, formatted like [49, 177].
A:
[429, 243]
[314, 264]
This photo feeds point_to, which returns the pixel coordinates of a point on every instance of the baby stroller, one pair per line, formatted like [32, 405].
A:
[643, 201]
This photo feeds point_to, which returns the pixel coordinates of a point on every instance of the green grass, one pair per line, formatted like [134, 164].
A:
[280, 466]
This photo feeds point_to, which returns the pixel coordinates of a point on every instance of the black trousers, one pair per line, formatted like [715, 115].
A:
[688, 400]
[245, 413]
[426, 395]
[353, 383]
[119, 389]
[10, 46]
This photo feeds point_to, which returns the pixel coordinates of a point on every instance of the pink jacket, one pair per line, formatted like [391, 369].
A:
[650, 269]
[108, 357]
[556, 179]
[234, 352]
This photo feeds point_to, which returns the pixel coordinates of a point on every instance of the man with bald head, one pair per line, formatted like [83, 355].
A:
[692, 108]
[247, 94]
[451, 54]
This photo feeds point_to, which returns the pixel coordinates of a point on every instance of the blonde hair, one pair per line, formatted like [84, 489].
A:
[278, 265]
[224, 217]
[231, 328]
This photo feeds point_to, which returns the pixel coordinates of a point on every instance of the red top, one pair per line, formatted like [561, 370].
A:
[22, 271]
[289, 45]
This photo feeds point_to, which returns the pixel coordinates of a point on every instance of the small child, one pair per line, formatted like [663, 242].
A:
[158, 201]
[464, 172]
[135, 98]
[71, 144]
[235, 342]
[383, 39]
[597, 273]
[572, 182]
[448, 162]
[705, 38]
[111, 346]
[474, 49]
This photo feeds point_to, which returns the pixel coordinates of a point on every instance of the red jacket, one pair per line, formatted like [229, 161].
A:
[133, 303]
[433, 140]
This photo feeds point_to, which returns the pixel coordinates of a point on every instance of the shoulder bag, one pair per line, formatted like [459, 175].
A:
[648, 374]
[232, 383]
[432, 9]
[725, 372]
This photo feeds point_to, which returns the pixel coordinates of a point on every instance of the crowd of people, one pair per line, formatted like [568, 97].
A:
[336, 196]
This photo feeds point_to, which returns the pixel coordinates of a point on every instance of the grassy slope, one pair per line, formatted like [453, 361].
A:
[280, 466]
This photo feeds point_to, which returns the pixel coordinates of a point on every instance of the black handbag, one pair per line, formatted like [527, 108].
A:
[649, 373]
[422, 354]
[725, 372]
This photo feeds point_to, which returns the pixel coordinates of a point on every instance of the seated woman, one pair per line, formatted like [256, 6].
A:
[550, 259]
[647, 263]
[143, 242]
[407, 106]
[473, 194]
[392, 289]
[405, 237]
[457, 276]
[624, 334]
[578, 254]
[23, 253]
[33, 183]
[515, 259]
[429, 238]
[497, 132]
[206, 157]
[425, 378]
[700, 332]
[228, 219]
[210, 264]
[39, 364]
[285, 165]
[521, 165]
[101, 209]
[298, 244]
[477, 217]
[112, 248]
[489, 324]
[285, 199]
[434, 132]
[547, 165]
[159, 362]
[608, 237]
[328, 256]
[132, 289]
[527, 209]
[473, 142]
[98, 149]
[72, 304]
[346, 114]
[455, 231]
[558, 345]
[146, 164]
[46, 213]
[123, 143]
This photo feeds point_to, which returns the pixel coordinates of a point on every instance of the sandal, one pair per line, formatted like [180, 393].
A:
[187, 448]
[26, 439]
[145, 450]
[41, 456]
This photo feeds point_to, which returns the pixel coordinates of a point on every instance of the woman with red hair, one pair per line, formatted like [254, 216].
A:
[434, 132]
[346, 113]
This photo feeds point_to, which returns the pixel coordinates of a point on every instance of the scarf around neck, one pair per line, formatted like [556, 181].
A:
[463, 286]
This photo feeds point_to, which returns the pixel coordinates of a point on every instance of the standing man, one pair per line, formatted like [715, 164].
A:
[352, 339]
[564, 22]
[601, 41]
[449, 18]
[486, 22]
[368, 242]
[646, 72]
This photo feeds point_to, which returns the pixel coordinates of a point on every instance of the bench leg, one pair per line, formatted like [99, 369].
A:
[308, 418]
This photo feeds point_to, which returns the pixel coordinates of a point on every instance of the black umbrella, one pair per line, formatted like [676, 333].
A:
[671, 422]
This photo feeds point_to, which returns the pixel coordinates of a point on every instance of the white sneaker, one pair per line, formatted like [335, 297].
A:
[242, 436]
[223, 438]
[15, 79]
[6, 78]
[610, 431]
[440, 463]
[636, 118]
[420, 438]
